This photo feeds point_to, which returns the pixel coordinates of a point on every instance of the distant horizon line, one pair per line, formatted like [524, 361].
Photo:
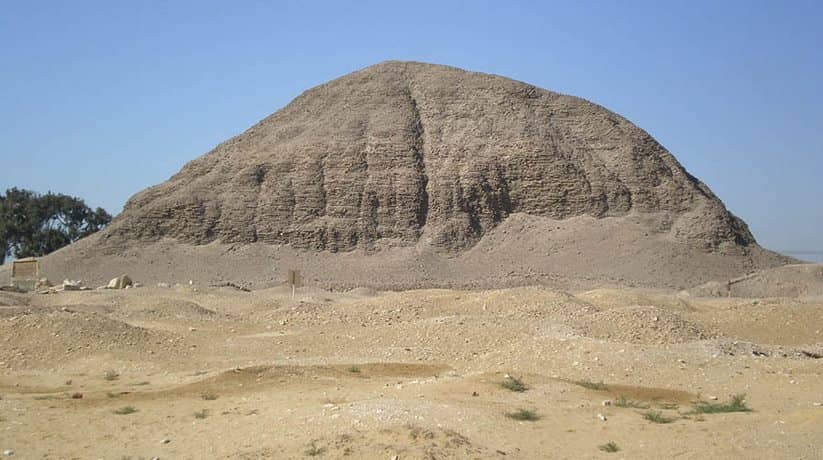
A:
[813, 256]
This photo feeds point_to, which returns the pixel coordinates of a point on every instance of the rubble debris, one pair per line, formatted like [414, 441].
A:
[73, 285]
[121, 282]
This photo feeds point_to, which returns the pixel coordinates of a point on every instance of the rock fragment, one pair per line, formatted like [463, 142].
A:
[121, 282]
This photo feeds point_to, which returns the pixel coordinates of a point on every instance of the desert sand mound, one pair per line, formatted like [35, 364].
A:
[169, 308]
[800, 280]
[408, 175]
[533, 303]
[55, 336]
[641, 325]
[606, 298]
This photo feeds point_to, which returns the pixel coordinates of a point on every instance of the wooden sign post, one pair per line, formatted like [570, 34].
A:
[294, 280]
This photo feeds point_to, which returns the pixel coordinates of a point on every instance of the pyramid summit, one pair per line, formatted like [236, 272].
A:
[426, 172]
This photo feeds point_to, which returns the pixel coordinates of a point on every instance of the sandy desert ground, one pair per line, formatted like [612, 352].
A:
[207, 372]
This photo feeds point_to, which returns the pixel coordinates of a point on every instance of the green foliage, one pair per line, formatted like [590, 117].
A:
[736, 404]
[523, 415]
[125, 410]
[588, 384]
[624, 402]
[667, 405]
[514, 384]
[656, 416]
[609, 447]
[33, 225]
[313, 451]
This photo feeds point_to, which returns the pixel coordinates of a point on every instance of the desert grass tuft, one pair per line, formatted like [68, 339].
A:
[111, 375]
[667, 406]
[736, 404]
[209, 396]
[588, 384]
[201, 414]
[514, 384]
[125, 410]
[313, 450]
[609, 447]
[523, 415]
[655, 416]
[627, 403]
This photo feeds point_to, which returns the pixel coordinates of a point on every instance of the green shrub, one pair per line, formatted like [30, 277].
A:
[588, 384]
[626, 403]
[656, 416]
[125, 410]
[736, 404]
[513, 384]
[523, 415]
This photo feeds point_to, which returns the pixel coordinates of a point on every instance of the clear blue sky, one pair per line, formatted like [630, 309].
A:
[101, 99]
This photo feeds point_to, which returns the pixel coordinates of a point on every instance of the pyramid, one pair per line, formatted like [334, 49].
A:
[405, 175]
[405, 153]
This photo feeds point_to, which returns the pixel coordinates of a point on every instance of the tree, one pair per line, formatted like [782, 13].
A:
[34, 225]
